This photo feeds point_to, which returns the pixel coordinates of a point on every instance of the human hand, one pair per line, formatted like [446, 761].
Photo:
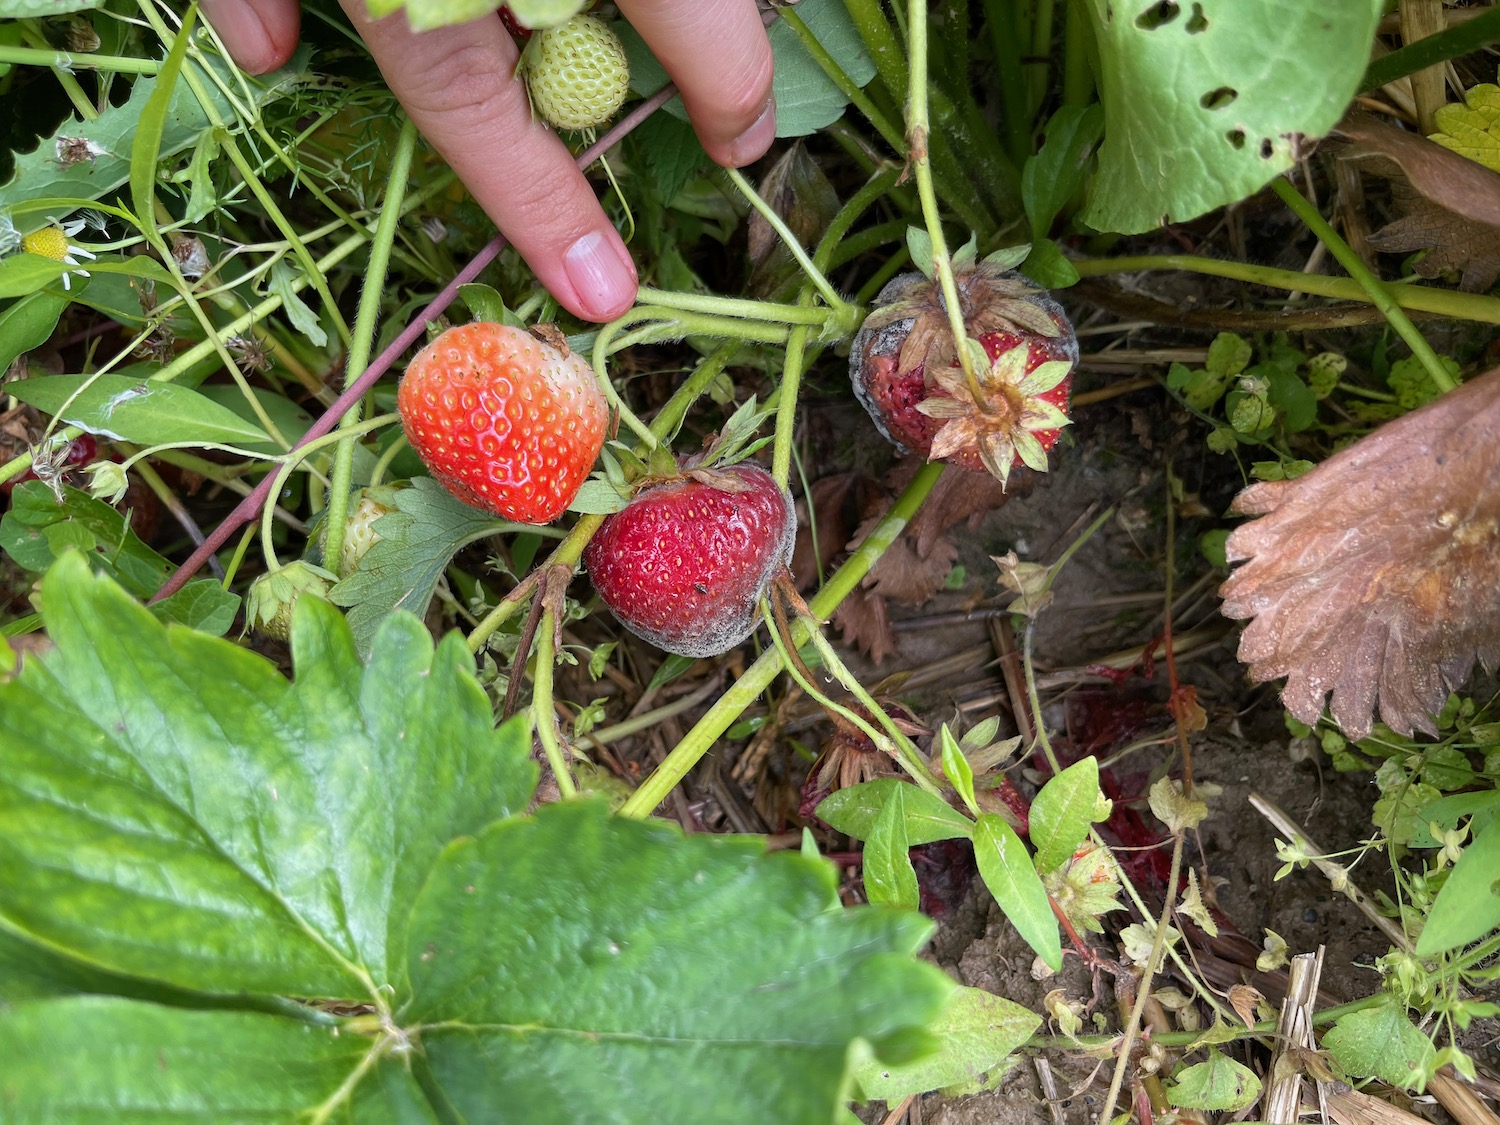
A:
[458, 85]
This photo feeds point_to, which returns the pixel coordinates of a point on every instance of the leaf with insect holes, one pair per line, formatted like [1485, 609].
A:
[889, 877]
[1206, 102]
[1009, 874]
[177, 815]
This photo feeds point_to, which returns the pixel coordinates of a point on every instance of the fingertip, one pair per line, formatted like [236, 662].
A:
[599, 271]
[752, 144]
[260, 35]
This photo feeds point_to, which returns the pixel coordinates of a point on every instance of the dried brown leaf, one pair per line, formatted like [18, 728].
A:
[1376, 577]
[802, 195]
[901, 572]
[863, 620]
[1451, 181]
[1455, 241]
[835, 505]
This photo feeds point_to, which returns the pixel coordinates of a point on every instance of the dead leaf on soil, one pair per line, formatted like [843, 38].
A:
[1376, 577]
[957, 496]
[902, 572]
[864, 623]
[1449, 204]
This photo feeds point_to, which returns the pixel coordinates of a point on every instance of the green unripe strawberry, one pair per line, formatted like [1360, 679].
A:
[577, 73]
[268, 605]
[367, 506]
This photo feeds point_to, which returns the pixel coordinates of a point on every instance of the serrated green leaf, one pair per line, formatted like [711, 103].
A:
[37, 524]
[1468, 906]
[1009, 874]
[853, 811]
[672, 152]
[176, 810]
[1062, 812]
[890, 879]
[1379, 1042]
[136, 410]
[28, 323]
[97, 1058]
[1204, 103]
[977, 1031]
[1218, 1083]
[403, 567]
[711, 975]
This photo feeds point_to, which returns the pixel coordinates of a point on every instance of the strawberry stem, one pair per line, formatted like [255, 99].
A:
[543, 713]
[916, 134]
[837, 304]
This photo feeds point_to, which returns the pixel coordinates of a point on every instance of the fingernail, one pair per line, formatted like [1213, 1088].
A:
[242, 32]
[753, 142]
[604, 282]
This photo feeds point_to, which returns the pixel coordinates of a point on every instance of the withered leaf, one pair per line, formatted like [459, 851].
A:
[1455, 241]
[1453, 182]
[863, 620]
[1376, 577]
[904, 574]
[802, 195]
[957, 496]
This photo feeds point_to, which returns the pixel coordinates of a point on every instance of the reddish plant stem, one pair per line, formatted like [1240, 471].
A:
[249, 508]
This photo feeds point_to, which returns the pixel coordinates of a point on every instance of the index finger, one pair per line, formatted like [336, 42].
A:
[718, 54]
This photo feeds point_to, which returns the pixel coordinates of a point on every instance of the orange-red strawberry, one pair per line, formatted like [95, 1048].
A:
[684, 563]
[503, 420]
[906, 374]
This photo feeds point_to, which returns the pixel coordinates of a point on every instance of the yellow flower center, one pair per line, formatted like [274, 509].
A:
[49, 242]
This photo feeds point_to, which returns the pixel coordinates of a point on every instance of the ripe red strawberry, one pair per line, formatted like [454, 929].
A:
[906, 374]
[503, 420]
[684, 564]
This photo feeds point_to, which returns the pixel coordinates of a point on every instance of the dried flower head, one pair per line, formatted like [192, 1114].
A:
[1376, 577]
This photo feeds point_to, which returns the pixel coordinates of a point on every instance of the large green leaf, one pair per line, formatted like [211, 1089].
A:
[136, 410]
[690, 977]
[93, 1058]
[1062, 812]
[1380, 1042]
[1206, 101]
[1468, 906]
[173, 808]
[1008, 872]
[855, 809]
[27, 324]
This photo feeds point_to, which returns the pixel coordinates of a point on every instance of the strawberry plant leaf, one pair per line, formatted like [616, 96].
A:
[254, 801]
[37, 529]
[890, 879]
[1468, 906]
[704, 949]
[977, 1031]
[402, 569]
[853, 811]
[1193, 120]
[1062, 812]
[136, 410]
[163, 1062]
[1008, 872]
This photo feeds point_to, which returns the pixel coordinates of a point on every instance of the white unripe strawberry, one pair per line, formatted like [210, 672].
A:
[577, 73]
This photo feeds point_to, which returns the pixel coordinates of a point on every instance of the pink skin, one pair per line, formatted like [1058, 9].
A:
[458, 85]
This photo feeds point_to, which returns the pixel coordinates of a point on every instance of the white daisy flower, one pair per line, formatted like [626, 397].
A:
[53, 242]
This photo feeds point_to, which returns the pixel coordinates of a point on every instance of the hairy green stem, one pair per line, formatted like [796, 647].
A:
[1371, 284]
[839, 307]
[68, 61]
[365, 323]
[542, 712]
[697, 742]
